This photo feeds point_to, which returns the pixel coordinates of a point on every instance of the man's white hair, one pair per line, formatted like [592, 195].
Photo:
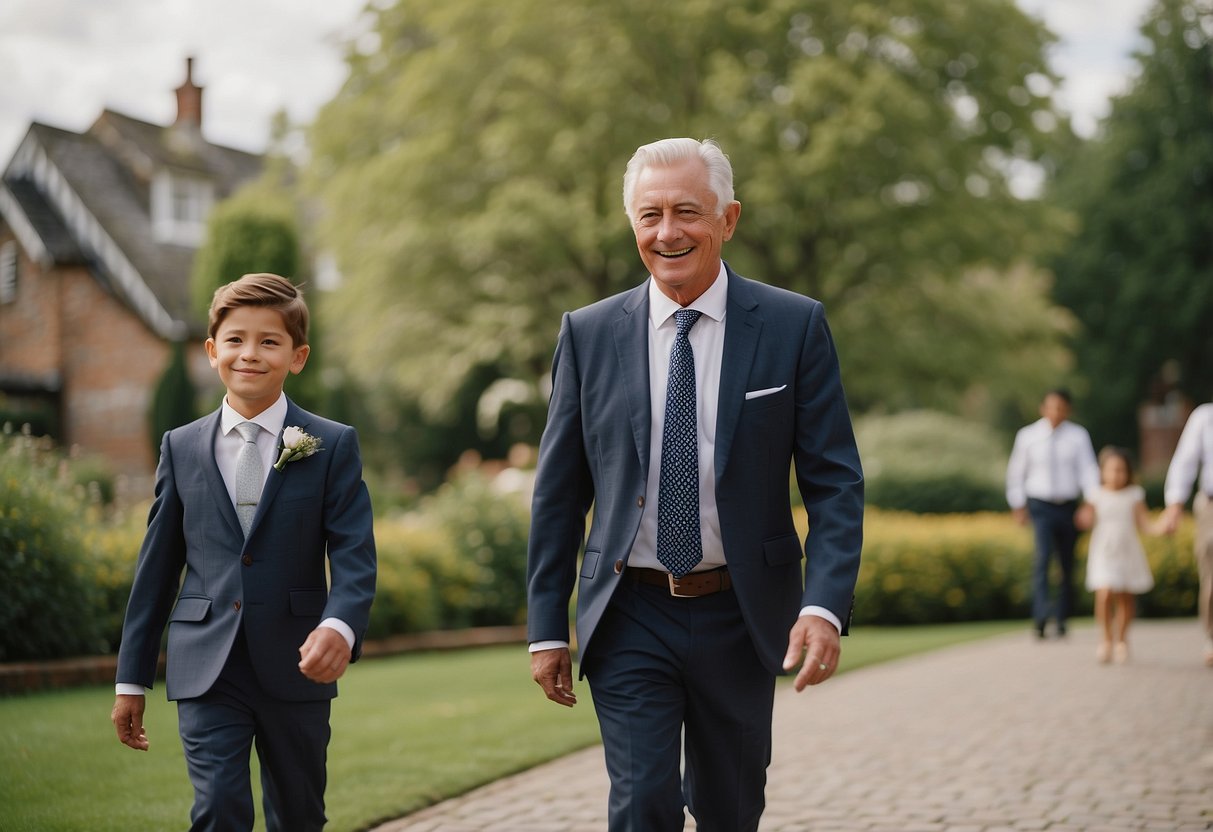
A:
[668, 152]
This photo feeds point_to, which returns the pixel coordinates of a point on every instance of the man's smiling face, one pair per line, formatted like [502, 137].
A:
[679, 231]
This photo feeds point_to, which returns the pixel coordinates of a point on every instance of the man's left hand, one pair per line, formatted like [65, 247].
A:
[324, 656]
[817, 641]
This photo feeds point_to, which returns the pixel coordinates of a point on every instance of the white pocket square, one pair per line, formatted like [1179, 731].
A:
[758, 394]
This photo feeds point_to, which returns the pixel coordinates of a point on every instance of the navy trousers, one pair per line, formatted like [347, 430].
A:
[1053, 524]
[218, 731]
[674, 677]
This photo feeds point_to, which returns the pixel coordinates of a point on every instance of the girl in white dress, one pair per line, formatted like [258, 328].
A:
[1117, 569]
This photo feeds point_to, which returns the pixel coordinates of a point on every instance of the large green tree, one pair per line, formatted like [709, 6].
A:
[1139, 274]
[470, 170]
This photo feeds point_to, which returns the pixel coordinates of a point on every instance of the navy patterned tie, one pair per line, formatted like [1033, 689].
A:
[679, 541]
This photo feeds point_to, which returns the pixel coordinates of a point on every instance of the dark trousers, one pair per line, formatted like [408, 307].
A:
[218, 731]
[673, 676]
[1053, 524]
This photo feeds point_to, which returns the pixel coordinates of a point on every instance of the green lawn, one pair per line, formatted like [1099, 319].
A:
[407, 731]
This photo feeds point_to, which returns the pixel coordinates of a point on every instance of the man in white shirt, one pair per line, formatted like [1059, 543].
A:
[1195, 453]
[1052, 466]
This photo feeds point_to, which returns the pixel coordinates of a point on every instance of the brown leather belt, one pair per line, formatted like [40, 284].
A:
[691, 585]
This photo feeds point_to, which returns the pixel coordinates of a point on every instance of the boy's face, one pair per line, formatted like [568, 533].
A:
[253, 353]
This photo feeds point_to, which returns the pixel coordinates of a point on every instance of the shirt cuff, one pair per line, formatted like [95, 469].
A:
[822, 612]
[124, 689]
[536, 646]
[340, 626]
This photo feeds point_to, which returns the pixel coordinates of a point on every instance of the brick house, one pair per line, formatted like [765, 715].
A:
[98, 232]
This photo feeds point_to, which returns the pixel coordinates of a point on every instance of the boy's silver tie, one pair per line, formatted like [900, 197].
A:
[250, 475]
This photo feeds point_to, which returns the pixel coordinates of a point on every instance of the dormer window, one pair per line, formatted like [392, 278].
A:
[180, 205]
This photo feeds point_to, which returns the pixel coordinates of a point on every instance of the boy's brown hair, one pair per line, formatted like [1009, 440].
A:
[268, 290]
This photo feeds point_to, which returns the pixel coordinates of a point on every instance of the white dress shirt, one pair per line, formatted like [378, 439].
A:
[228, 443]
[1051, 464]
[707, 344]
[1195, 451]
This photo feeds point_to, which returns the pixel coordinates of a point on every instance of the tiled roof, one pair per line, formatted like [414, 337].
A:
[109, 171]
[45, 222]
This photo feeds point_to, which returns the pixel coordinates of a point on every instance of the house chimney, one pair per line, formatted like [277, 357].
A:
[189, 100]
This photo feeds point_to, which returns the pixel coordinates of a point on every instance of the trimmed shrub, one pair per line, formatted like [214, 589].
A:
[173, 399]
[931, 463]
[933, 569]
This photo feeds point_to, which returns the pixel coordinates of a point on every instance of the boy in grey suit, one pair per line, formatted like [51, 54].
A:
[250, 501]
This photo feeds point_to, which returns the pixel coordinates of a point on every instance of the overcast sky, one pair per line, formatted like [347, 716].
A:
[63, 61]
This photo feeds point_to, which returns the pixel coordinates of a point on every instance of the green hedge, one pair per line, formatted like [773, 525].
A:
[927, 569]
[459, 560]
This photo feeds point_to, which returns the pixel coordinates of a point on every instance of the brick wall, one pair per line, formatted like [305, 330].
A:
[111, 363]
[30, 330]
[108, 361]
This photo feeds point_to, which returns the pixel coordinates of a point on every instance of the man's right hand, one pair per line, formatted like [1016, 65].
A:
[552, 670]
[127, 717]
[1020, 515]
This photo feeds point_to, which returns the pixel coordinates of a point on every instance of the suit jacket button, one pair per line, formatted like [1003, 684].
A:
[640, 501]
[618, 567]
[236, 606]
[247, 560]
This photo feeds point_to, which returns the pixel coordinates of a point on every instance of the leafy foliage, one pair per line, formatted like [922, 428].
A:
[471, 170]
[1139, 274]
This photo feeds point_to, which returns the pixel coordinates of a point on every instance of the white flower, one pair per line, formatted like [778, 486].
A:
[296, 445]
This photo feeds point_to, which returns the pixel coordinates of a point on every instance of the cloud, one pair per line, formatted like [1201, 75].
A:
[63, 61]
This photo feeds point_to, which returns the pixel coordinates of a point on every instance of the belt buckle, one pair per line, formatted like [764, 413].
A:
[674, 586]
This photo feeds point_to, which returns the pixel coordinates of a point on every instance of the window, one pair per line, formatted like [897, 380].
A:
[9, 269]
[180, 205]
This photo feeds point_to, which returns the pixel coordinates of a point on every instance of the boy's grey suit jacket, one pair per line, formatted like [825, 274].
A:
[273, 584]
[595, 450]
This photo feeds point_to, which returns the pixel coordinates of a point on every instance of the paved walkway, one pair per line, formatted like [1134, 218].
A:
[999, 735]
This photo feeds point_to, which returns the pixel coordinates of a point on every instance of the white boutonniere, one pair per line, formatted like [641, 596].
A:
[296, 445]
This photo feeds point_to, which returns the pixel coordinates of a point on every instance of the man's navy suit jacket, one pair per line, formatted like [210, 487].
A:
[595, 451]
[273, 584]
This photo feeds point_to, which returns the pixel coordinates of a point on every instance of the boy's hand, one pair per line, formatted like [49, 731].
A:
[325, 655]
[127, 717]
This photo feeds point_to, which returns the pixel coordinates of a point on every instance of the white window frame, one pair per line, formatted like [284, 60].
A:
[180, 206]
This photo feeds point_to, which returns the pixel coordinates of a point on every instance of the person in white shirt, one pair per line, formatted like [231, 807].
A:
[1195, 453]
[1052, 466]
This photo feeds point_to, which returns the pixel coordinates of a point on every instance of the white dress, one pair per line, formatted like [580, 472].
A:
[1115, 557]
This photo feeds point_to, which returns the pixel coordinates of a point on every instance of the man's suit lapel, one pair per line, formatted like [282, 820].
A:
[741, 330]
[204, 447]
[632, 347]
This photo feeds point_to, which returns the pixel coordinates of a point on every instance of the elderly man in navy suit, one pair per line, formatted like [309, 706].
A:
[677, 410]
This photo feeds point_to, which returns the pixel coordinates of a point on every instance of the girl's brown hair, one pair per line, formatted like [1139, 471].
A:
[1113, 451]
